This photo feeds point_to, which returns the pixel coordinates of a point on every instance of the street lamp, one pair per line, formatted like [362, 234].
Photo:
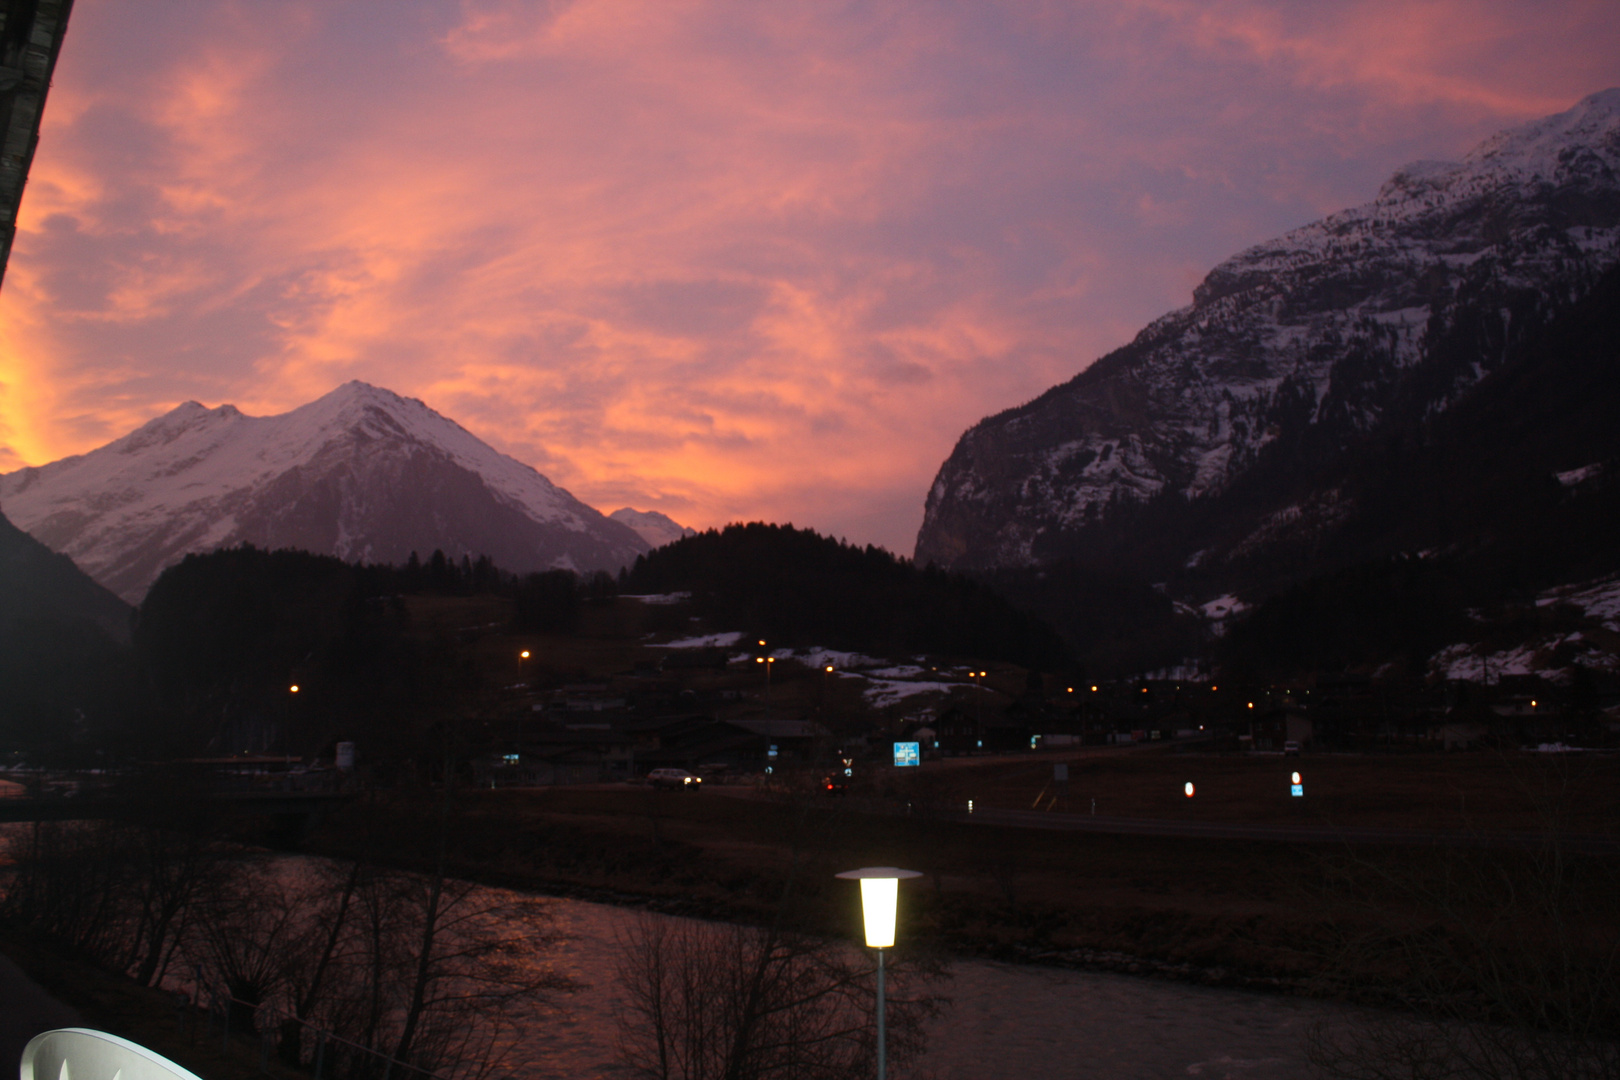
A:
[880, 894]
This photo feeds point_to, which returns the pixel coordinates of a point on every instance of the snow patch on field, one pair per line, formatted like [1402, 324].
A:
[1223, 606]
[707, 641]
[885, 692]
[1553, 658]
[1598, 599]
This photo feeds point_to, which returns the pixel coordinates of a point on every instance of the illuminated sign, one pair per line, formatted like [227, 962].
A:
[907, 753]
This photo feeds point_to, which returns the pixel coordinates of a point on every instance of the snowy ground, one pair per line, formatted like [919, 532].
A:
[1599, 599]
[1553, 657]
[887, 683]
[707, 641]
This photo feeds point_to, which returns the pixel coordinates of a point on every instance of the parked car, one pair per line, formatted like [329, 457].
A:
[835, 785]
[674, 778]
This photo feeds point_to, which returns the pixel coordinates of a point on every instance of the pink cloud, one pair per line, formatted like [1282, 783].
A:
[725, 260]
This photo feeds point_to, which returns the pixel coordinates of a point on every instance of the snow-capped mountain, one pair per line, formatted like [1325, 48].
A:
[655, 528]
[361, 473]
[1372, 319]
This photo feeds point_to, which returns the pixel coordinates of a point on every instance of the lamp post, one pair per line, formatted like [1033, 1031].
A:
[880, 894]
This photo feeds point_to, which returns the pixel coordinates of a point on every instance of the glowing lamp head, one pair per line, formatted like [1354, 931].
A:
[524, 655]
[1295, 779]
[880, 895]
[293, 689]
[1188, 789]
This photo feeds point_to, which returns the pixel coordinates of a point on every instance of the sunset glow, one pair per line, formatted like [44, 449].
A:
[727, 261]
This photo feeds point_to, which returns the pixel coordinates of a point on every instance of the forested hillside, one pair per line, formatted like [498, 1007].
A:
[795, 587]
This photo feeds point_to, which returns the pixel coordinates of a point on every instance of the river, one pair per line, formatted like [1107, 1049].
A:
[1006, 1020]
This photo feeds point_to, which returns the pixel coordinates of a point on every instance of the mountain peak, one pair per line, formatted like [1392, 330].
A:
[360, 473]
[357, 392]
[655, 528]
[187, 418]
[1541, 149]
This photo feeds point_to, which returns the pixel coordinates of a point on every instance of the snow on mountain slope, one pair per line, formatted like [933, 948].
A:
[361, 473]
[655, 528]
[1315, 337]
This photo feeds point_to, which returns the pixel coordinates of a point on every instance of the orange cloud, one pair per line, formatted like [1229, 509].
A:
[726, 260]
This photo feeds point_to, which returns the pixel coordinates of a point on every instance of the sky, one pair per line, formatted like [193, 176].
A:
[745, 260]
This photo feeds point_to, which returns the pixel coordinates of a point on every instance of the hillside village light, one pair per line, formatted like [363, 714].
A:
[880, 895]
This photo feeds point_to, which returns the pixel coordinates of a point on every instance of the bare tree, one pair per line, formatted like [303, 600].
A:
[705, 1001]
[435, 977]
[247, 933]
[122, 893]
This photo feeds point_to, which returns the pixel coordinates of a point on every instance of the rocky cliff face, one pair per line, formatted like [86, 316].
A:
[361, 473]
[1297, 349]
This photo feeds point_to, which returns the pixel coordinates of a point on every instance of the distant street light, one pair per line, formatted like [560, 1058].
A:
[767, 661]
[293, 689]
[978, 677]
[880, 895]
[1189, 789]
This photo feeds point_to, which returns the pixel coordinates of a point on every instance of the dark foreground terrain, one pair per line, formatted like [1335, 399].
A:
[1509, 913]
[1321, 918]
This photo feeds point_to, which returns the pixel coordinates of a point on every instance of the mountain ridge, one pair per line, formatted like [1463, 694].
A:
[1300, 346]
[360, 473]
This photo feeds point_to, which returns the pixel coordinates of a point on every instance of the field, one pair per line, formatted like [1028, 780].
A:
[1466, 791]
[1248, 913]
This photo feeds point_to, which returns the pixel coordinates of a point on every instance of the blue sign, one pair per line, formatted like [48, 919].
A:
[907, 753]
[1299, 790]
